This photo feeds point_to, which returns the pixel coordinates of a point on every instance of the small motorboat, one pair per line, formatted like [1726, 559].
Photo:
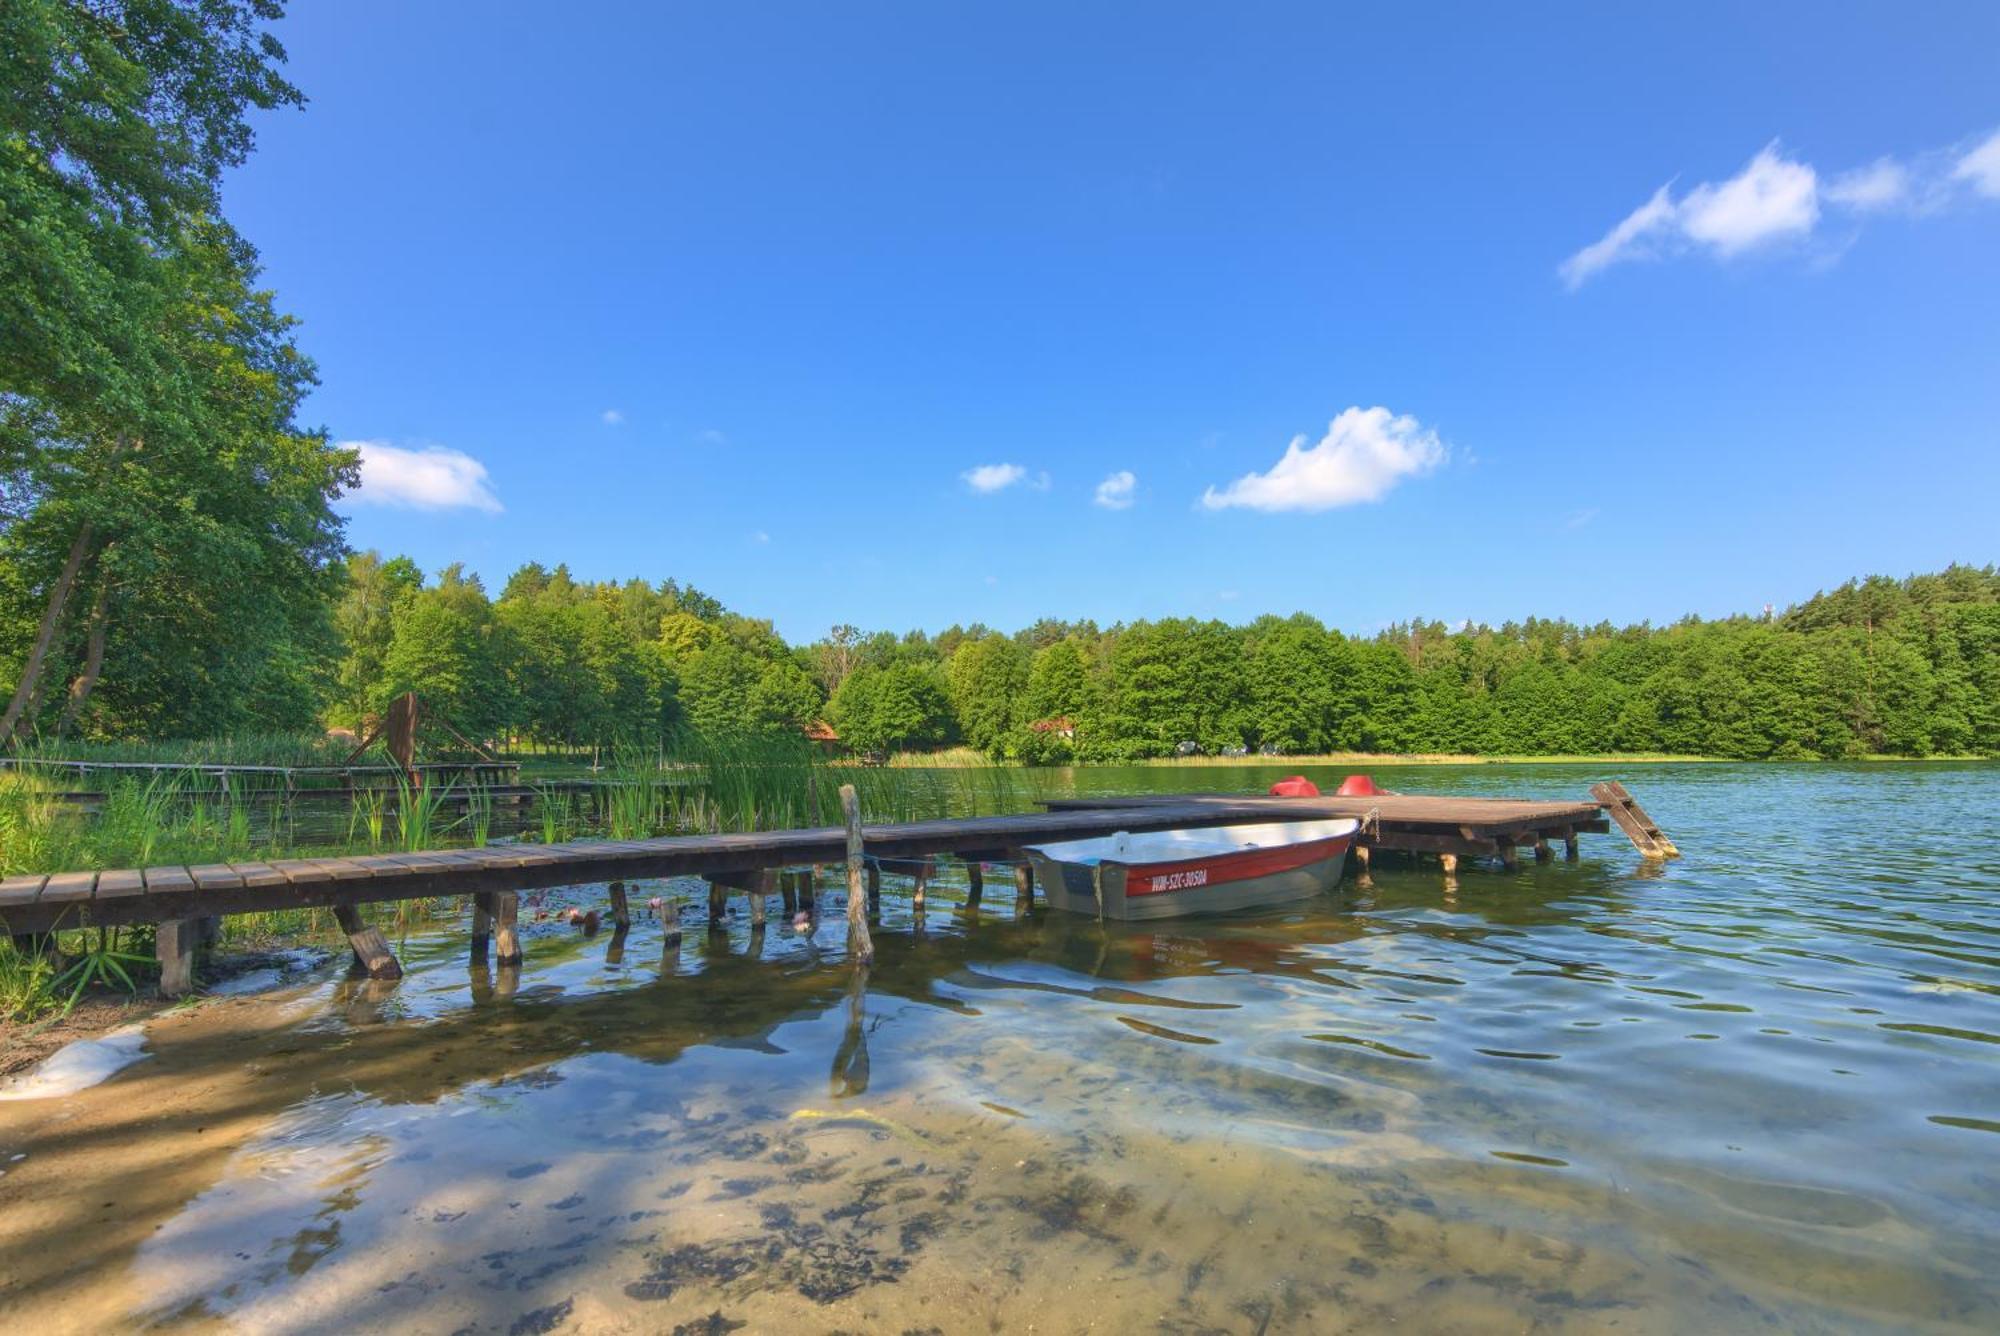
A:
[1168, 873]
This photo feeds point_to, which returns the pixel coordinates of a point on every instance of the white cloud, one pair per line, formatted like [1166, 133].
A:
[1365, 452]
[1882, 184]
[711, 436]
[611, 417]
[1041, 482]
[1770, 200]
[1980, 167]
[989, 478]
[1631, 239]
[1115, 492]
[1776, 199]
[760, 537]
[1773, 198]
[430, 478]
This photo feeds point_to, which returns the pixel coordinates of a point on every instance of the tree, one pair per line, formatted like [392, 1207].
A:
[155, 477]
[988, 680]
[902, 706]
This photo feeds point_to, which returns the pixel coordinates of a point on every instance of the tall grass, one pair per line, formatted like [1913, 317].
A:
[697, 785]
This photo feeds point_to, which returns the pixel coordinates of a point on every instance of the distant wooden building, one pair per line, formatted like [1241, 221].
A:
[1061, 726]
[821, 732]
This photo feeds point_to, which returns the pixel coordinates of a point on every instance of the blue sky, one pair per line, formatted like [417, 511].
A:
[847, 313]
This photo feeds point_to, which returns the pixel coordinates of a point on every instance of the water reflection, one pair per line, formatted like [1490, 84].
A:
[1756, 1090]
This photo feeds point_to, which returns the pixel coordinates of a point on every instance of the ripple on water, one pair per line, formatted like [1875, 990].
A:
[1381, 1108]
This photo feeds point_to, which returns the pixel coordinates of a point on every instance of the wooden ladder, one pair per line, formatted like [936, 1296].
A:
[1642, 830]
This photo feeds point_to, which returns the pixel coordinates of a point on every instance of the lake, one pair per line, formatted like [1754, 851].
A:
[1756, 1088]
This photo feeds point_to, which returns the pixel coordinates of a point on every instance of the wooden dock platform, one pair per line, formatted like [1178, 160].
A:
[1451, 828]
[178, 899]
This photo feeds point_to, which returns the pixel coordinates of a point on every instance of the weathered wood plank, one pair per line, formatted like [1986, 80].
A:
[216, 877]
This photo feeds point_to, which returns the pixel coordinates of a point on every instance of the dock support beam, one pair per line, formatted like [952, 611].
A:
[718, 901]
[506, 939]
[925, 868]
[174, 942]
[1542, 852]
[1569, 846]
[859, 945]
[482, 925]
[1024, 885]
[371, 949]
[621, 908]
[1510, 855]
[788, 889]
[975, 883]
[1450, 862]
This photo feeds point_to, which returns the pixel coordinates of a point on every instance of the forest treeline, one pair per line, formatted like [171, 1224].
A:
[1905, 667]
[171, 565]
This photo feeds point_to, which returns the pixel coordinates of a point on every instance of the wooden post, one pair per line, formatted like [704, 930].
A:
[371, 948]
[174, 942]
[718, 901]
[975, 883]
[924, 869]
[1024, 884]
[1569, 846]
[482, 925]
[1510, 856]
[1450, 862]
[1361, 861]
[506, 941]
[621, 908]
[858, 942]
[760, 885]
[788, 891]
[1542, 851]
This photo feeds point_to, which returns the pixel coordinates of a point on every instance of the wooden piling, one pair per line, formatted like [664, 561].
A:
[174, 942]
[788, 891]
[482, 925]
[1024, 884]
[975, 883]
[1542, 852]
[760, 886]
[925, 868]
[621, 908]
[1510, 854]
[859, 944]
[1569, 846]
[1450, 863]
[718, 901]
[506, 938]
[371, 948]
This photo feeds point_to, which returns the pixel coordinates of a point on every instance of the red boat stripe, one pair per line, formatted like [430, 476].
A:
[1218, 869]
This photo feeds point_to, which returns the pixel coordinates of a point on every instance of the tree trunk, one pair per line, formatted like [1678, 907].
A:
[31, 671]
[93, 654]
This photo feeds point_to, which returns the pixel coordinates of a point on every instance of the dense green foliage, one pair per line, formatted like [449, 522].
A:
[1880, 666]
[168, 557]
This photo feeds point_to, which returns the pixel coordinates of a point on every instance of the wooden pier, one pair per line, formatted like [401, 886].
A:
[180, 899]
